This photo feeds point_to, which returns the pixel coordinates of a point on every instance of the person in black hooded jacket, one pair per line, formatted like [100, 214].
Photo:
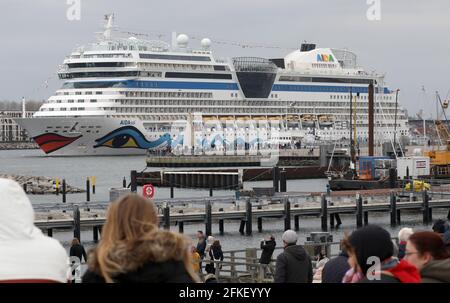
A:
[294, 264]
[267, 246]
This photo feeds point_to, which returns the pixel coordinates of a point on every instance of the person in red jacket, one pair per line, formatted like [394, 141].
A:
[371, 260]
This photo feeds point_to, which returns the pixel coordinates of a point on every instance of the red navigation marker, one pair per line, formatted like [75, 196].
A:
[148, 190]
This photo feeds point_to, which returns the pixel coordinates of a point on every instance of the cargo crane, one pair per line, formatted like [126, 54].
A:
[440, 158]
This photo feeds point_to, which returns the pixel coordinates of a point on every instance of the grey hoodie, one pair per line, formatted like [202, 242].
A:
[436, 271]
[293, 266]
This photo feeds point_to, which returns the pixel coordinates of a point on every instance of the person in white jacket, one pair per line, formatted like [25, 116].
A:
[26, 255]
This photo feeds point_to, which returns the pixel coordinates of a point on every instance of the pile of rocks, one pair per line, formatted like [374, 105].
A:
[40, 185]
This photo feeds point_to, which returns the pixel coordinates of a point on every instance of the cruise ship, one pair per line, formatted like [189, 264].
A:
[127, 95]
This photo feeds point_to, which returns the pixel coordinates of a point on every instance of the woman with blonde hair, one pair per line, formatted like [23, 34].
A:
[134, 249]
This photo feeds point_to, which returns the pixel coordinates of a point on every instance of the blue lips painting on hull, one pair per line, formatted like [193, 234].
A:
[130, 137]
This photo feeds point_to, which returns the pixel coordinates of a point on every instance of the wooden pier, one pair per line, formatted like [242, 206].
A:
[281, 206]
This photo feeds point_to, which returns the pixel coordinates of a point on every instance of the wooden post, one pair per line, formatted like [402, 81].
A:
[76, 223]
[241, 227]
[393, 208]
[276, 178]
[208, 221]
[425, 208]
[287, 214]
[88, 190]
[399, 216]
[166, 216]
[248, 218]
[233, 267]
[95, 233]
[332, 221]
[211, 185]
[324, 212]
[171, 179]
[283, 184]
[359, 211]
[366, 215]
[93, 181]
[221, 227]
[296, 223]
[260, 225]
[133, 176]
[64, 199]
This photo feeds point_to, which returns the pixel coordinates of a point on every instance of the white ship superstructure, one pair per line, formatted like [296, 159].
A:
[124, 96]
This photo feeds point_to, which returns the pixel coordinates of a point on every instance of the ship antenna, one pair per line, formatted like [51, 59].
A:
[108, 26]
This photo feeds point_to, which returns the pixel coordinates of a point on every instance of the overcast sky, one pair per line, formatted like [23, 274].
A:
[410, 44]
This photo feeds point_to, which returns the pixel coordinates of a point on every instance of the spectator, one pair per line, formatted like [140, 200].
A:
[26, 255]
[294, 264]
[446, 239]
[317, 278]
[201, 244]
[195, 259]
[216, 254]
[440, 226]
[426, 251]
[77, 250]
[335, 269]
[210, 276]
[368, 245]
[268, 246]
[403, 236]
[133, 249]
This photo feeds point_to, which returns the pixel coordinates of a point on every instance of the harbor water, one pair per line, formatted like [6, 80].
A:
[110, 170]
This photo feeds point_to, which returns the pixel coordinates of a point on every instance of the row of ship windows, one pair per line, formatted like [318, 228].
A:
[168, 94]
[77, 93]
[292, 105]
[73, 101]
[363, 97]
[229, 110]
[102, 56]
[178, 66]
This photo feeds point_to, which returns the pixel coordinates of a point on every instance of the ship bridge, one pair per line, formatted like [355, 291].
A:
[256, 76]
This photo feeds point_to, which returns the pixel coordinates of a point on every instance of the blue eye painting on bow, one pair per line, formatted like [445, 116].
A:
[130, 137]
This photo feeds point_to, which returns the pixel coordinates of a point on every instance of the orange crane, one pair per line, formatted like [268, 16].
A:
[440, 158]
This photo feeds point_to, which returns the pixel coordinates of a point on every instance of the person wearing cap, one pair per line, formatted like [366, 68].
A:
[293, 264]
[371, 258]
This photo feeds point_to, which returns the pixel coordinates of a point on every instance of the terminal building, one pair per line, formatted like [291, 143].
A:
[10, 131]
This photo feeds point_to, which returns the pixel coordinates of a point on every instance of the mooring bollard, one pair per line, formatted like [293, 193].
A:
[64, 189]
[124, 182]
[76, 223]
[393, 208]
[324, 212]
[88, 190]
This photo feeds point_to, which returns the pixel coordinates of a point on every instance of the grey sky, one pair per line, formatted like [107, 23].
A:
[410, 43]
